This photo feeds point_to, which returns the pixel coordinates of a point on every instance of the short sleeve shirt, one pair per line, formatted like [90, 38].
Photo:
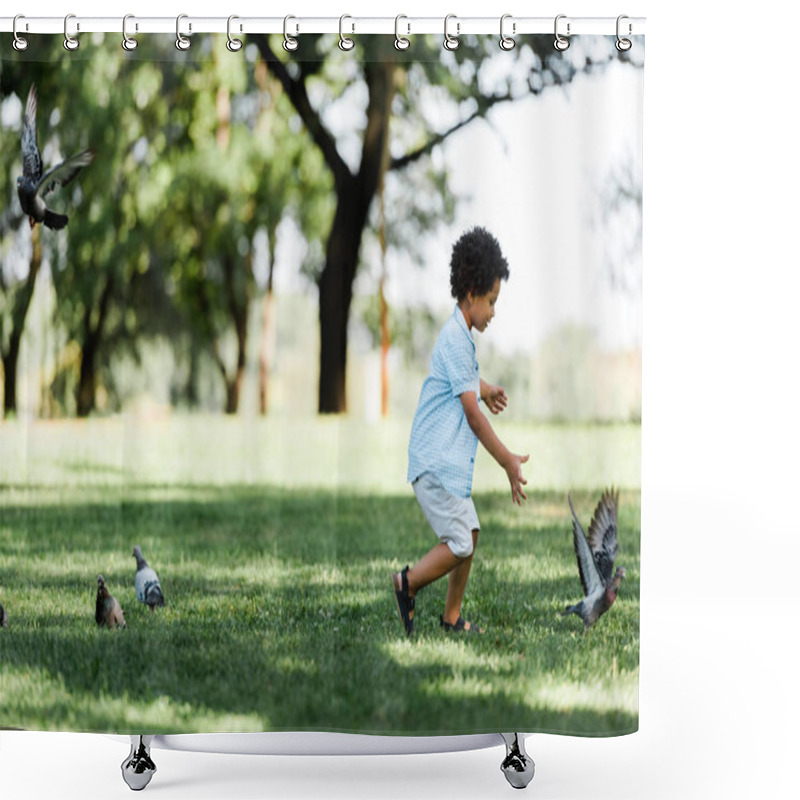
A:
[442, 441]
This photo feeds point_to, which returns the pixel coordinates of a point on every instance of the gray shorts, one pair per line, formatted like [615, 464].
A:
[452, 518]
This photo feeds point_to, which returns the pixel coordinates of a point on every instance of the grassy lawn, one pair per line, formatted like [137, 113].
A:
[280, 614]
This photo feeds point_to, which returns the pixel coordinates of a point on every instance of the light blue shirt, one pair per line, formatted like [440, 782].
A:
[442, 441]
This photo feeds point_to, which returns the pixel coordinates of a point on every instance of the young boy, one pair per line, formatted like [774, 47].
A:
[447, 427]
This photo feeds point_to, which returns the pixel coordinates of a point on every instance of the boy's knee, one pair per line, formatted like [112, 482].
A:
[464, 546]
[461, 549]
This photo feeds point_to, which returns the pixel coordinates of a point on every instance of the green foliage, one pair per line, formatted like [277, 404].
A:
[198, 154]
[193, 159]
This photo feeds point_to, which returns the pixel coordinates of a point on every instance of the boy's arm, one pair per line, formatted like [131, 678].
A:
[509, 461]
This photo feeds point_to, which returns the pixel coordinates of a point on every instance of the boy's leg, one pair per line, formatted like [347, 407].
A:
[457, 584]
[438, 561]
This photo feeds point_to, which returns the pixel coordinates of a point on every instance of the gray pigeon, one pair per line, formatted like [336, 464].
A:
[148, 587]
[32, 185]
[596, 553]
[107, 610]
[3, 617]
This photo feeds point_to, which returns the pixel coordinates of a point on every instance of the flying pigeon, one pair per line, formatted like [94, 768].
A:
[3, 617]
[32, 185]
[107, 610]
[596, 553]
[148, 587]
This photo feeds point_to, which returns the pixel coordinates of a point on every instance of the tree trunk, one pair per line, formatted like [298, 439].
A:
[87, 384]
[239, 313]
[93, 336]
[267, 349]
[354, 195]
[384, 306]
[335, 296]
[22, 302]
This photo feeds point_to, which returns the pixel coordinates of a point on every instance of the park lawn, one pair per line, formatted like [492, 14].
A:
[280, 615]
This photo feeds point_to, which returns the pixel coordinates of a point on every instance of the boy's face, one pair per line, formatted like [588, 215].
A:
[479, 309]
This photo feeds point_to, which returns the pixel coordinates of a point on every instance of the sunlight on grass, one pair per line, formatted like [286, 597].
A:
[446, 653]
[41, 698]
[547, 693]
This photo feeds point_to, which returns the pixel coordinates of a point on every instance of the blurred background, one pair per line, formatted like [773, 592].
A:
[221, 259]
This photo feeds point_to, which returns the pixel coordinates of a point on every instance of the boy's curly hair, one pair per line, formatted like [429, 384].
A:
[476, 263]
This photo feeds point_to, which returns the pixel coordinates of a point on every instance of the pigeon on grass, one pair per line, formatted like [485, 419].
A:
[107, 611]
[148, 586]
[33, 185]
[596, 553]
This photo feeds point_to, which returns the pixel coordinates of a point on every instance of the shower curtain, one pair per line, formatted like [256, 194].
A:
[227, 280]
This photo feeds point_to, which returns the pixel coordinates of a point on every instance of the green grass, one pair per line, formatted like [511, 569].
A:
[281, 616]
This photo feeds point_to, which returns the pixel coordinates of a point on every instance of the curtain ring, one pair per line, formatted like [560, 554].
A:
[290, 44]
[181, 42]
[127, 42]
[623, 45]
[234, 45]
[345, 42]
[20, 42]
[506, 42]
[451, 42]
[561, 43]
[70, 42]
[400, 42]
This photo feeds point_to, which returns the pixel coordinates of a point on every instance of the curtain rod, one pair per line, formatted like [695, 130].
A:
[298, 25]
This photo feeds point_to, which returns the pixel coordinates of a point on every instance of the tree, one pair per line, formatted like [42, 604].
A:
[20, 263]
[397, 84]
[240, 173]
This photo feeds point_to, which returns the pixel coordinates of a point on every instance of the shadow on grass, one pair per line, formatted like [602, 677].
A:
[280, 617]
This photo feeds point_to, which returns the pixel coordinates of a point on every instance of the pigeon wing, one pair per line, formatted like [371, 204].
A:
[590, 579]
[61, 174]
[31, 159]
[603, 535]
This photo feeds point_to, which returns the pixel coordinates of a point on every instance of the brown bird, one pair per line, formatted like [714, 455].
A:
[107, 610]
[596, 553]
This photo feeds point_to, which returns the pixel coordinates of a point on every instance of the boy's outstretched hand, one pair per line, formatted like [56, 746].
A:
[477, 420]
[516, 478]
[494, 396]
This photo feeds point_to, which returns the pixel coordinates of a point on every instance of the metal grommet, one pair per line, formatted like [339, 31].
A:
[623, 45]
[400, 42]
[506, 42]
[127, 42]
[234, 45]
[290, 44]
[70, 42]
[451, 42]
[20, 42]
[561, 43]
[181, 42]
[345, 42]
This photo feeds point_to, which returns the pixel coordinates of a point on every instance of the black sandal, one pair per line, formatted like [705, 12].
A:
[460, 626]
[405, 603]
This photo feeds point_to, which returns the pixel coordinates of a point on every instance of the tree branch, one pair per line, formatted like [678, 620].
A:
[481, 111]
[296, 91]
